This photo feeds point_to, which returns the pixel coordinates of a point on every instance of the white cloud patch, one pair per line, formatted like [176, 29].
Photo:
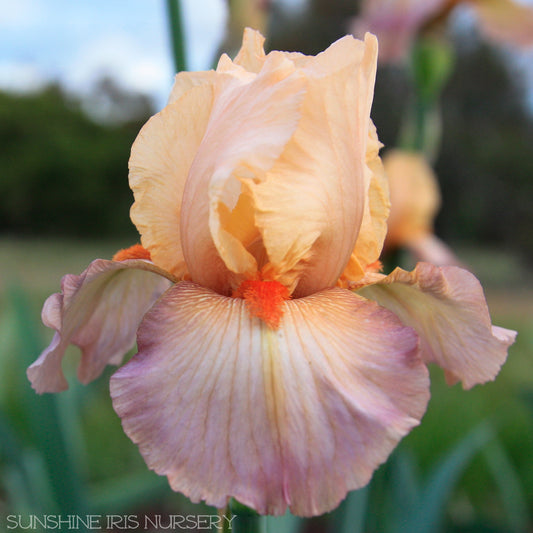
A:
[121, 57]
[77, 43]
[20, 77]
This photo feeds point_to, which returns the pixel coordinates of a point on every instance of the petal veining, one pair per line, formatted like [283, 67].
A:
[226, 406]
[99, 311]
[447, 308]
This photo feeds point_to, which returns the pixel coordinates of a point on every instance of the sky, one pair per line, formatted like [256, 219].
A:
[79, 41]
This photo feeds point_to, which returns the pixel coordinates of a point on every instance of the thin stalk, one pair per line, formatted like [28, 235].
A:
[177, 34]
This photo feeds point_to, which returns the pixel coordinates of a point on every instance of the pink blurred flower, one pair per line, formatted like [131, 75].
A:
[265, 371]
[396, 23]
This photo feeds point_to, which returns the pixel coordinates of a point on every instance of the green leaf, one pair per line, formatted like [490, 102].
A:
[288, 523]
[406, 489]
[350, 515]
[427, 516]
[509, 485]
[122, 495]
[45, 418]
[246, 520]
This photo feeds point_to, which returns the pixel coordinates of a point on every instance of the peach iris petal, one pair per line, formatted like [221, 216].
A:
[289, 201]
[251, 121]
[185, 81]
[99, 311]
[226, 406]
[161, 157]
[369, 242]
[447, 308]
[310, 206]
[252, 54]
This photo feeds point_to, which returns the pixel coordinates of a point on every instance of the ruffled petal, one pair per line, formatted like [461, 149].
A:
[447, 308]
[251, 56]
[371, 236]
[160, 160]
[310, 206]
[99, 311]
[252, 118]
[185, 81]
[226, 406]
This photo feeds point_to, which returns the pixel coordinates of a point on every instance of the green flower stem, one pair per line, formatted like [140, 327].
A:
[245, 520]
[431, 66]
[421, 129]
[177, 34]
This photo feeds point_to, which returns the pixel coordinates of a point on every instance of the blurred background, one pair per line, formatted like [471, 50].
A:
[77, 82]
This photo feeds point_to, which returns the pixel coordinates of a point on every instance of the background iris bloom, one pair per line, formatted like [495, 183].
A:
[265, 371]
[396, 23]
[415, 201]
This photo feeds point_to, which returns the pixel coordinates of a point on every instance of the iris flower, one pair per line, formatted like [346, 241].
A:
[415, 200]
[396, 23]
[275, 364]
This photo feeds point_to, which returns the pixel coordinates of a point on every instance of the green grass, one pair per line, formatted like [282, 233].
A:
[38, 265]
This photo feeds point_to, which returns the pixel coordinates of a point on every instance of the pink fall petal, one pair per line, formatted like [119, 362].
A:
[99, 311]
[226, 406]
[447, 308]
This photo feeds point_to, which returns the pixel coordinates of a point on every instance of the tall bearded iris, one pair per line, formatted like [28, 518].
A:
[265, 371]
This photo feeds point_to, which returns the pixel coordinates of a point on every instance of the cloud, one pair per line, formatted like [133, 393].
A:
[21, 77]
[76, 43]
[119, 55]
